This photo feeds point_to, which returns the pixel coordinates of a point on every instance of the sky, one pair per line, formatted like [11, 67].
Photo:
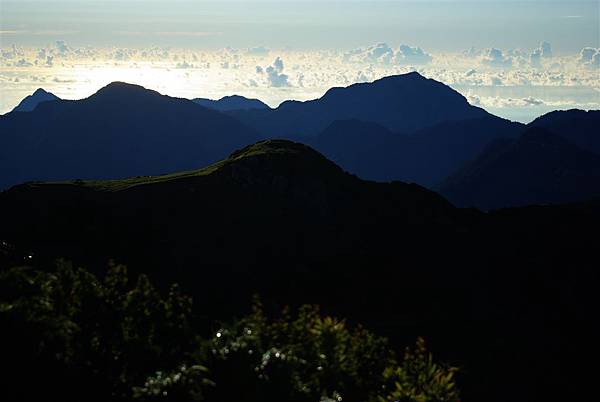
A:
[517, 59]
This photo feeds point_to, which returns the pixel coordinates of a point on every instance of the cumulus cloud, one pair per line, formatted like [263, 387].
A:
[122, 54]
[412, 55]
[544, 51]
[494, 58]
[382, 53]
[275, 75]
[590, 57]
[62, 47]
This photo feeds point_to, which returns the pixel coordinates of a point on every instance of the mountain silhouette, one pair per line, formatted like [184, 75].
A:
[229, 103]
[122, 130]
[269, 201]
[425, 157]
[538, 168]
[400, 103]
[30, 102]
[577, 126]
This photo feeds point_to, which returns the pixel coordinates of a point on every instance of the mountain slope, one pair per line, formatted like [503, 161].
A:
[537, 168]
[122, 130]
[577, 126]
[30, 102]
[425, 157]
[365, 149]
[276, 194]
[229, 103]
[400, 103]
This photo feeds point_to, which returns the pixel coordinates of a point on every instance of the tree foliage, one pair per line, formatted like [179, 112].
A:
[73, 331]
[69, 335]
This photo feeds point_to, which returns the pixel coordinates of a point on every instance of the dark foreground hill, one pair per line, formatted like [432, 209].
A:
[400, 103]
[122, 130]
[537, 168]
[507, 296]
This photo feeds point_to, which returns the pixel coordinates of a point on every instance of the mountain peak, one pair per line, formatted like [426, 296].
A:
[40, 91]
[275, 147]
[231, 102]
[30, 102]
[119, 87]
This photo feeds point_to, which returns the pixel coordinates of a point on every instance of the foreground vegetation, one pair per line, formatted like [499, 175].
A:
[69, 335]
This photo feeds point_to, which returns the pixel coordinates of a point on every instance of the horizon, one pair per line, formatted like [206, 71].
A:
[517, 68]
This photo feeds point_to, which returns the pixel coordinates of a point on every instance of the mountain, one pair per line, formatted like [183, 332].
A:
[400, 103]
[30, 102]
[229, 103]
[278, 219]
[577, 126]
[537, 168]
[366, 149]
[122, 130]
[267, 189]
[425, 157]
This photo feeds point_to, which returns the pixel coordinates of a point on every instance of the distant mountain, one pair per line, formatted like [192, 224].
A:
[229, 103]
[366, 149]
[538, 168]
[578, 126]
[30, 102]
[122, 130]
[401, 103]
[426, 157]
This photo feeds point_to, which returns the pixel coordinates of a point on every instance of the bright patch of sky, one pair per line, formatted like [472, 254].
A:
[518, 59]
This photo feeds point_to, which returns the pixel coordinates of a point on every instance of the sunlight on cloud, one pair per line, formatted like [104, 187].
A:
[513, 83]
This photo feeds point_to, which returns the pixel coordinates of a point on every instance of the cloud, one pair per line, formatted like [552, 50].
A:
[184, 65]
[258, 51]
[382, 53]
[275, 75]
[123, 54]
[62, 47]
[590, 57]
[259, 70]
[23, 63]
[412, 55]
[494, 58]
[63, 80]
[544, 51]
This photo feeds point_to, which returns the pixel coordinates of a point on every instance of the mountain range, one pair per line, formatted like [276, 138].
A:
[403, 127]
[401, 103]
[122, 130]
[539, 167]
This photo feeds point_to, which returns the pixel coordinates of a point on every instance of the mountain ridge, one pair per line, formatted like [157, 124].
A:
[30, 102]
[401, 103]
